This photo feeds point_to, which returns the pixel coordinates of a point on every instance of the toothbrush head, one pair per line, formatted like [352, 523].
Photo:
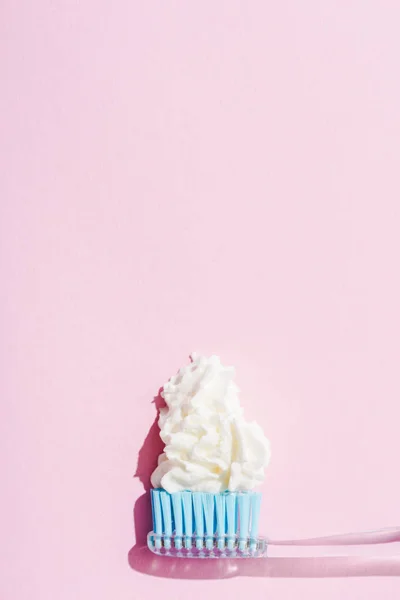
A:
[211, 546]
[204, 525]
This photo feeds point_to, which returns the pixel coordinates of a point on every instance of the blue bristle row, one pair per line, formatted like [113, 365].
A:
[157, 516]
[167, 517]
[231, 519]
[255, 501]
[220, 508]
[187, 506]
[197, 519]
[243, 501]
[209, 517]
[177, 510]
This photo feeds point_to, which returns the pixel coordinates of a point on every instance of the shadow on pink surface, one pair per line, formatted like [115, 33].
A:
[147, 462]
[142, 560]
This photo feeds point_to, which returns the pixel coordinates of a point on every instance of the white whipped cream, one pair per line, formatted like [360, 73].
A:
[209, 447]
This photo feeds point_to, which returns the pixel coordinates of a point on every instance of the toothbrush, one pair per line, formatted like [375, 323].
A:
[221, 525]
[231, 529]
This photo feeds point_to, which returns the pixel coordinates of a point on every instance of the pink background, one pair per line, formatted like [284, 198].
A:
[218, 176]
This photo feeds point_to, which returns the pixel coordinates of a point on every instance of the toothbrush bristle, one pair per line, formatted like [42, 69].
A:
[209, 517]
[187, 515]
[177, 509]
[205, 524]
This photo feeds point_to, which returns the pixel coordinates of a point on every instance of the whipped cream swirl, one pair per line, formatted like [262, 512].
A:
[209, 446]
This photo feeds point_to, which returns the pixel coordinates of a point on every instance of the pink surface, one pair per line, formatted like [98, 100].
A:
[211, 176]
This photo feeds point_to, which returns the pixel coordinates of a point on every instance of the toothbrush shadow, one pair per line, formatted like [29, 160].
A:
[144, 561]
[147, 462]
